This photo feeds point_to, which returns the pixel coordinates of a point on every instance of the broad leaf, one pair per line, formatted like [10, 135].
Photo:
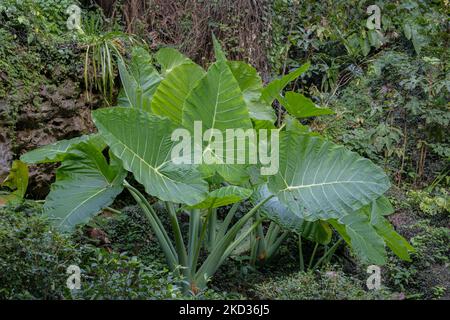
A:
[362, 237]
[218, 103]
[170, 58]
[302, 107]
[85, 184]
[169, 98]
[250, 84]
[56, 152]
[16, 181]
[143, 142]
[139, 79]
[358, 229]
[223, 197]
[273, 89]
[321, 180]
[394, 241]
[382, 206]
[317, 231]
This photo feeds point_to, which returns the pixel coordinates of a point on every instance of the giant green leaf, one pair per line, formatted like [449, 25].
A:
[217, 102]
[143, 142]
[139, 79]
[321, 180]
[170, 58]
[250, 84]
[85, 183]
[362, 237]
[218, 52]
[16, 181]
[394, 241]
[273, 89]
[223, 197]
[55, 152]
[317, 231]
[382, 206]
[169, 98]
[302, 107]
[358, 229]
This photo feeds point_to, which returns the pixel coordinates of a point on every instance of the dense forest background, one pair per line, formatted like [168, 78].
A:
[389, 89]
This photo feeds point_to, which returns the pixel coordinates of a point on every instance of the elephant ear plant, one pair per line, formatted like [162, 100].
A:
[318, 185]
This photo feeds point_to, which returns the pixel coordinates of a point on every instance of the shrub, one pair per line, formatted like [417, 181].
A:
[34, 259]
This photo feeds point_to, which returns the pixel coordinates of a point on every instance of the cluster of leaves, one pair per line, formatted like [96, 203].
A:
[328, 284]
[34, 258]
[432, 203]
[429, 272]
[389, 87]
[395, 111]
[344, 192]
[35, 18]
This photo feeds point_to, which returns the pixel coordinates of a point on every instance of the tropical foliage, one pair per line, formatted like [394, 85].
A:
[320, 186]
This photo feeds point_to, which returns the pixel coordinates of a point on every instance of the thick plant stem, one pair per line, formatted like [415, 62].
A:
[275, 245]
[194, 228]
[181, 249]
[300, 253]
[212, 228]
[313, 255]
[220, 252]
[328, 253]
[160, 232]
[261, 243]
[226, 222]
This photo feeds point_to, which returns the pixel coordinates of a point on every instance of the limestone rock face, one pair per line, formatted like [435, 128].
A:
[51, 114]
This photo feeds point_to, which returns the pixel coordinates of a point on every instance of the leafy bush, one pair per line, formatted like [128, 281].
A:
[230, 95]
[429, 272]
[323, 285]
[389, 88]
[34, 258]
[118, 276]
[37, 18]
[432, 203]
